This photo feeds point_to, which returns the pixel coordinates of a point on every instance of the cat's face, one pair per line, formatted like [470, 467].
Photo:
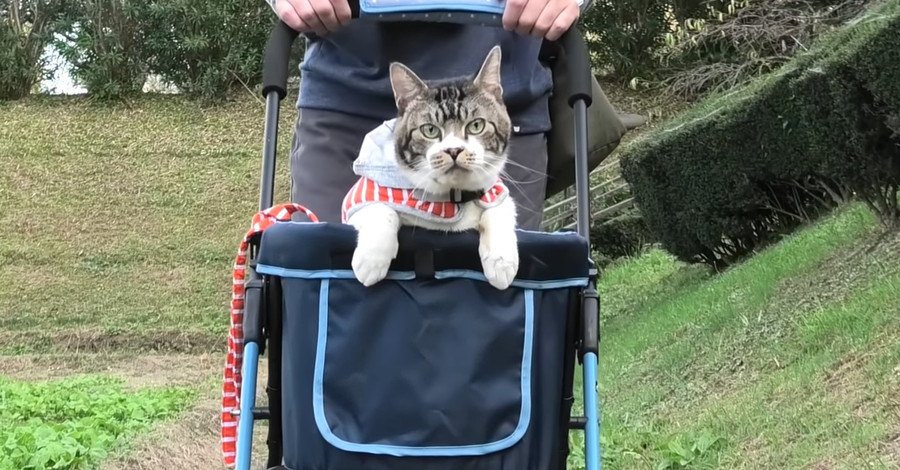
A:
[451, 135]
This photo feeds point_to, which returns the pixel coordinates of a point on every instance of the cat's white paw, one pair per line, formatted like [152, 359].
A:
[373, 255]
[370, 266]
[500, 263]
[376, 243]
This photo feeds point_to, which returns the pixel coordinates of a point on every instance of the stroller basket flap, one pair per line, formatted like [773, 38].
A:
[446, 366]
[325, 250]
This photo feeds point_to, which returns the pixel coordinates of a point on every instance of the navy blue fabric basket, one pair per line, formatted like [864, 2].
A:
[432, 368]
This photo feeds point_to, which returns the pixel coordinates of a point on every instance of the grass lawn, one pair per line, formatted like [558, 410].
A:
[790, 360]
[121, 222]
[120, 227]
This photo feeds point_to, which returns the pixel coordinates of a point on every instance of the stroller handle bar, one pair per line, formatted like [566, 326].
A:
[278, 49]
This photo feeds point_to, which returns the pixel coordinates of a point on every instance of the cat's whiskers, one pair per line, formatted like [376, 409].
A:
[495, 167]
[517, 164]
[428, 175]
[502, 173]
[492, 172]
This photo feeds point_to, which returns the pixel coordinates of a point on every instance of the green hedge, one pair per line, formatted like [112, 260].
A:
[623, 236]
[103, 42]
[26, 26]
[206, 47]
[741, 169]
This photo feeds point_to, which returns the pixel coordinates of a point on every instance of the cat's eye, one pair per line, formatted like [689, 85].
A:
[430, 131]
[475, 127]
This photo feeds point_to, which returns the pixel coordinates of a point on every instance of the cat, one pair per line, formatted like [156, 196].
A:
[449, 139]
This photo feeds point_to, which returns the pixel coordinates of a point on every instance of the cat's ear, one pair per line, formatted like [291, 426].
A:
[488, 77]
[406, 85]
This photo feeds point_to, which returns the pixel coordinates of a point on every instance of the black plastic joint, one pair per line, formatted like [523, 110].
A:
[577, 422]
[261, 413]
[253, 311]
[590, 308]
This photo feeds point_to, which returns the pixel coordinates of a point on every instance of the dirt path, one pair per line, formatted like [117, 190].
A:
[138, 371]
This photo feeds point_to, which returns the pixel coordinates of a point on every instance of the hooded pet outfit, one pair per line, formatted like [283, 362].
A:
[382, 182]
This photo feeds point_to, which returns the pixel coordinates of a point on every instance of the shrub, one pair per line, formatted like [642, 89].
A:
[740, 170]
[625, 38]
[622, 36]
[745, 39]
[623, 236]
[26, 26]
[103, 43]
[206, 48]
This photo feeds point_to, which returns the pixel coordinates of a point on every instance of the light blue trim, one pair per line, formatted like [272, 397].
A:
[592, 427]
[326, 273]
[424, 451]
[410, 275]
[523, 283]
[248, 401]
[555, 233]
[385, 6]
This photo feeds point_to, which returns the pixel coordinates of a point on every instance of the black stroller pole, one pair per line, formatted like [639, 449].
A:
[265, 329]
[579, 99]
[270, 147]
[275, 75]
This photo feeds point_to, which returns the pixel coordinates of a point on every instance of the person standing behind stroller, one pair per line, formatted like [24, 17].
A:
[345, 89]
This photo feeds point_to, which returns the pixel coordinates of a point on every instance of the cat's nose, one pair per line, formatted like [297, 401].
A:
[454, 152]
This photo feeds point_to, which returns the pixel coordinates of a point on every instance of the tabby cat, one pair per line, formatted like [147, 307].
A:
[449, 141]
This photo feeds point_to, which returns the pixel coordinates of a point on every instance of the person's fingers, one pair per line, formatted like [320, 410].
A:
[548, 17]
[290, 17]
[530, 15]
[325, 13]
[305, 9]
[512, 12]
[342, 11]
[564, 21]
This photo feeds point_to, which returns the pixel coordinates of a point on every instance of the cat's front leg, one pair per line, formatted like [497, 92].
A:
[498, 247]
[376, 244]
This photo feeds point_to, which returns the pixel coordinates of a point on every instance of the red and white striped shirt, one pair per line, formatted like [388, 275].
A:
[367, 191]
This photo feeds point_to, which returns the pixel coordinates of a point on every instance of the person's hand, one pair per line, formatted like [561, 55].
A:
[317, 16]
[543, 18]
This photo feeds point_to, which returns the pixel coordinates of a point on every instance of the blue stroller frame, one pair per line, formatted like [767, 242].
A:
[432, 368]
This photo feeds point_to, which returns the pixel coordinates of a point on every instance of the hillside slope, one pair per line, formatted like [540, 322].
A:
[790, 360]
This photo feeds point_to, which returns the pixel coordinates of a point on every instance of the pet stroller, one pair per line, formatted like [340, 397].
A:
[432, 368]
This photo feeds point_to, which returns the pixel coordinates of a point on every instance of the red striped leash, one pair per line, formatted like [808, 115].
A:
[231, 390]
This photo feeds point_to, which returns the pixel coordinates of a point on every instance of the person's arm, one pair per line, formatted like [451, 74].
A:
[317, 16]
